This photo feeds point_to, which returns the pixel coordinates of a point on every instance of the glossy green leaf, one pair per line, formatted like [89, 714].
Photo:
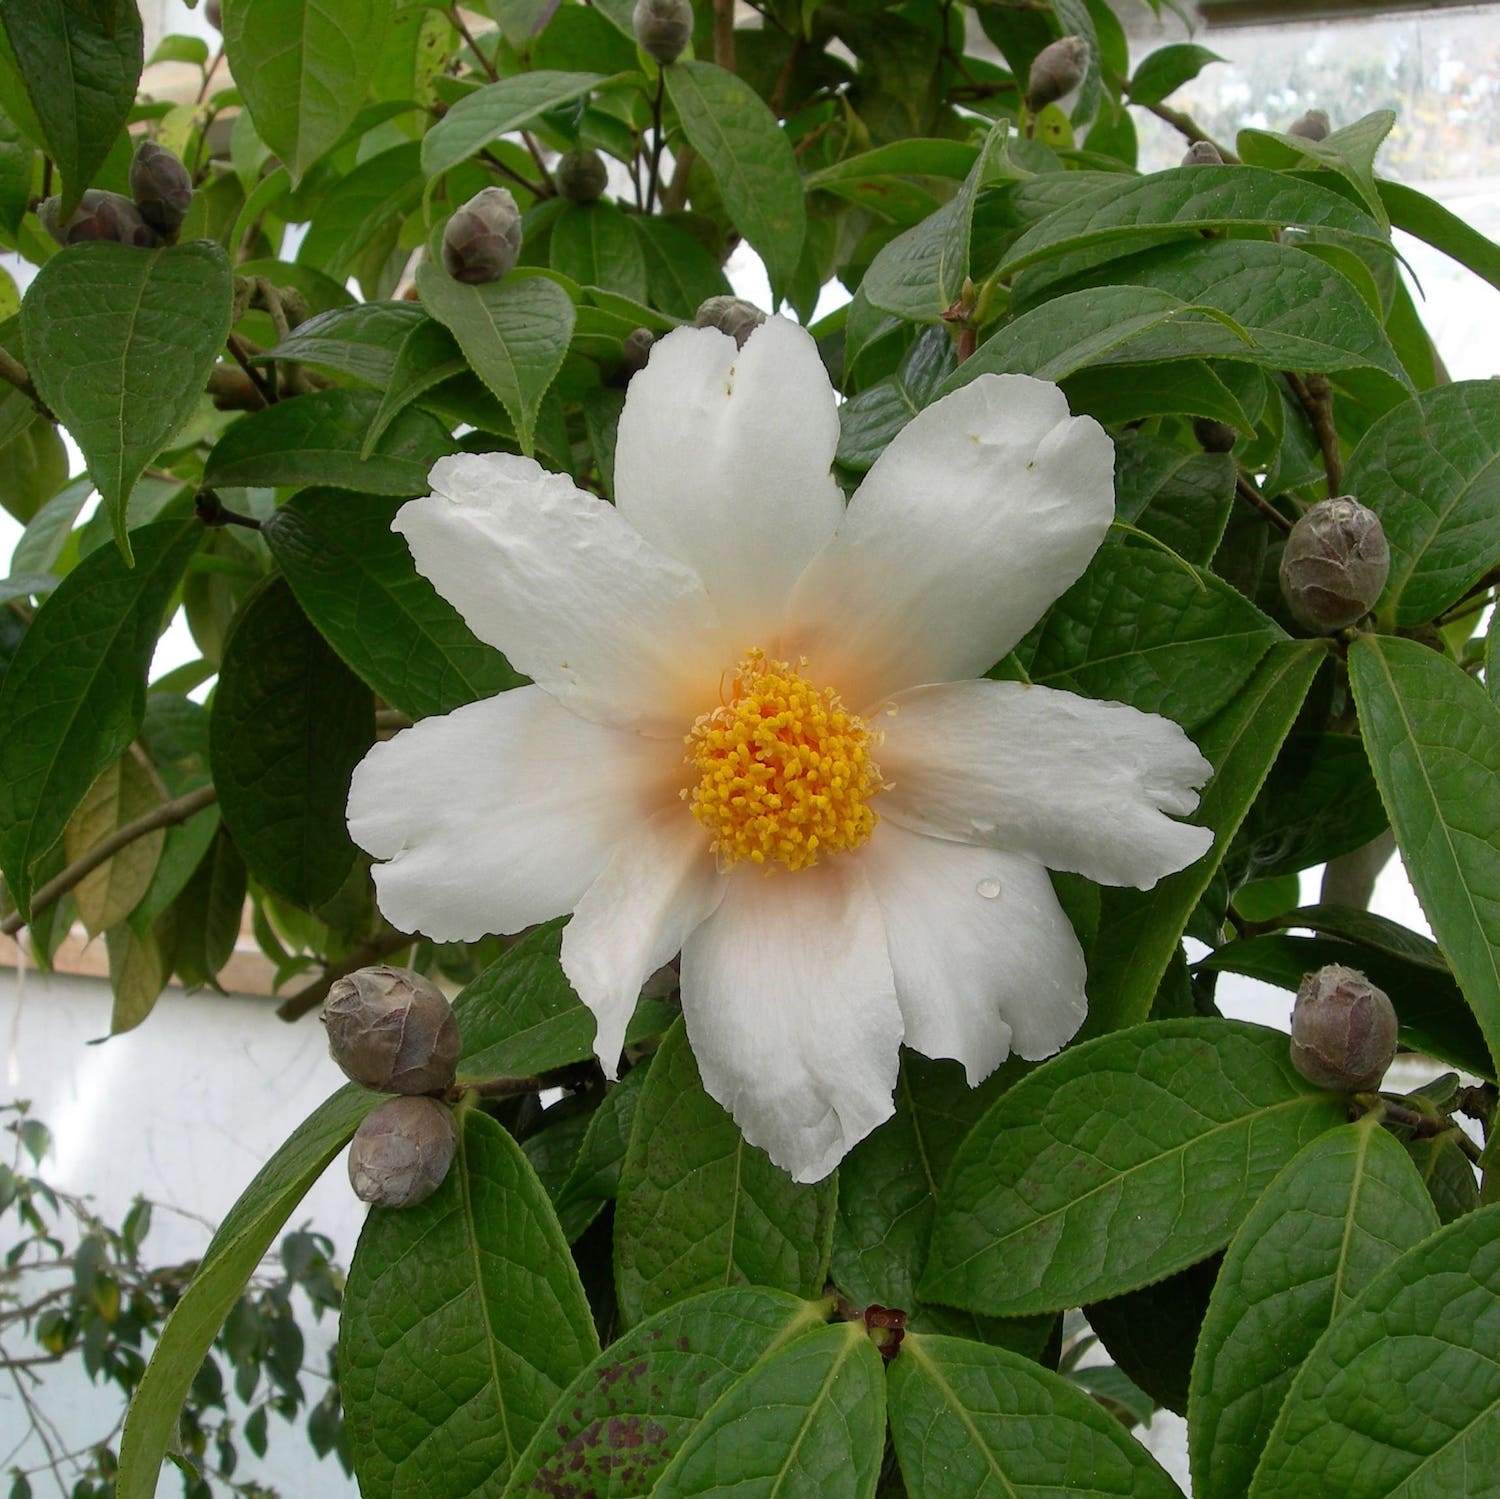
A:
[987, 1424]
[363, 341]
[1430, 469]
[316, 439]
[596, 245]
[290, 722]
[74, 695]
[623, 1419]
[514, 334]
[304, 67]
[1419, 215]
[1181, 498]
[807, 1423]
[681, 273]
[1140, 628]
[358, 208]
[119, 341]
[79, 64]
[140, 963]
[493, 111]
[1174, 1127]
[1446, 1173]
[355, 580]
[1139, 930]
[427, 356]
[920, 273]
[1167, 69]
[1401, 1396]
[1342, 1210]
[868, 421]
[1434, 742]
[476, 1280]
[594, 1177]
[208, 914]
[728, 124]
[698, 1207]
[1349, 151]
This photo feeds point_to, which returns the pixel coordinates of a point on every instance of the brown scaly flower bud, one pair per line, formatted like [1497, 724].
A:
[1343, 1030]
[99, 215]
[402, 1152]
[1334, 564]
[580, 175]
[161, 187]
[215, 14]
[1313, 126]
[1214, 437]
[637, 349]
[663, 27]
[1202, 154]
[731, 315]
[1056, 70]
[482, 241]
[392, 1030]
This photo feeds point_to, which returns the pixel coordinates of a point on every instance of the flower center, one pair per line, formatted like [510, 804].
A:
[784, 769]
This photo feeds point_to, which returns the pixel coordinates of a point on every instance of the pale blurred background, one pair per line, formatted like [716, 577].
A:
[186, 1108]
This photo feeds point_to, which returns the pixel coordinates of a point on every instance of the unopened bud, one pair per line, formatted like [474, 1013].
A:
[580, 176]
[1313, 126]
[392, 1030]
[1056, 70]
[637, 349]
[402, 1152]
[215, 14]
[482, 241]
[161, 187]
[663, 27]
[1214, 437]
[1343, 1030]
[1334, 564]
[1202, 154]
[731, 315]
[99, 215]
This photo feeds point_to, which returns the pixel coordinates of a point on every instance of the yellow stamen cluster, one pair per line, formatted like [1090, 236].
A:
[784, 770]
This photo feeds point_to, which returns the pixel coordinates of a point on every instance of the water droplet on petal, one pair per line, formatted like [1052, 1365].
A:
[989, 889]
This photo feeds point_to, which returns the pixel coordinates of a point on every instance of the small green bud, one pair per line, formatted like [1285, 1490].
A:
[637, 349]
[1313, 126]
[1056, 70]
[402, 1152]
[1343, 1030]
[731, 315]
[392, 1030]
[161, 187]
[1214, 437]
[581, 175]
[1202, 154]
[482, 241]
[1334, 564]
[99, 215]
[663, 27]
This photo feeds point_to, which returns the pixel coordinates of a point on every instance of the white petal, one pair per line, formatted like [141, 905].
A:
[659, 884]
[723, 461]
[1086, 786]
[560, 581]
[501, 813]
[984, 958]
[791, 1011]
[983, 509]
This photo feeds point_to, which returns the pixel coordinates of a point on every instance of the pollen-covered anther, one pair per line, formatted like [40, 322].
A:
[785, 773]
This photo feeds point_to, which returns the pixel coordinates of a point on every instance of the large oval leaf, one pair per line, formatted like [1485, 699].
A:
[1434, 741]
[290, 723]
[491, 112]
[987, 1424]
[478, 1281]
[119, 341]
[624, 1418]
[1172, 1127]
[74, 696]
[699, 1207]
[1401, 1396]
[355, 578]
[1344, 1208]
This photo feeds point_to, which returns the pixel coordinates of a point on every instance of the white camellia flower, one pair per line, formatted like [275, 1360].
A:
[756, 735]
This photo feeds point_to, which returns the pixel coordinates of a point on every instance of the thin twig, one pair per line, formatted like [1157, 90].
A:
[724, 34]
[541, 163]
[1247, 491]
[14, 372]
[1316, 398]
[165, 816]
[310, 996]
[1189, 128]
[468, 37]
[536, 189]
[241, 352]
[212, 511]
[656, 145]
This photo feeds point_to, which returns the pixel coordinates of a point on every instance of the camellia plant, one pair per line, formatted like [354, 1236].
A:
[835, 754]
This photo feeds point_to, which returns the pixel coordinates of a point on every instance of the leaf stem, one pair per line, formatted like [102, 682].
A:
[311, 995]
[1247, 491]
[1315, 396]
[165, 816]
[724, 34]
[212, 511]
[15, 373]
[468, 36]
[1188, 127]
[241, 352]
[536, 189]
[656, 143]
